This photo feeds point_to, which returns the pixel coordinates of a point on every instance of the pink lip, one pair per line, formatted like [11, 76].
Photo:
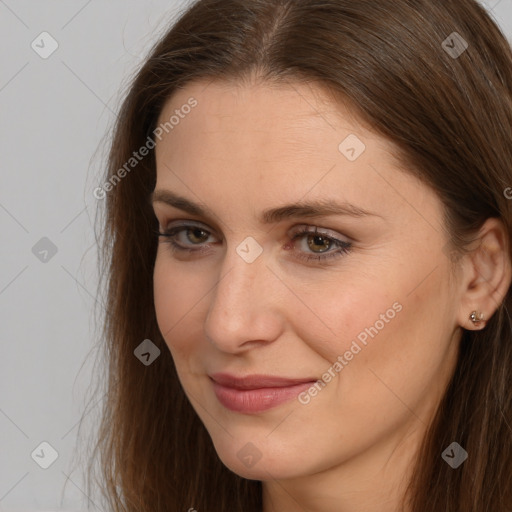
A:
[256, 393]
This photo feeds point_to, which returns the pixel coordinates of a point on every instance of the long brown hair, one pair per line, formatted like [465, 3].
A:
[448, 110]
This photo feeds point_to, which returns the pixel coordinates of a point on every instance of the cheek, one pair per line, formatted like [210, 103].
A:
[397, 344]
[369, 322]
[349, 316]
[177, 300]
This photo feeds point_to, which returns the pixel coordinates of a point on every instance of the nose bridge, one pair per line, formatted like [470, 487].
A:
[241, 308]
[238, 278]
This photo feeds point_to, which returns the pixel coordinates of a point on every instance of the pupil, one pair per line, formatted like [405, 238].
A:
[319, 240]
[195, 232]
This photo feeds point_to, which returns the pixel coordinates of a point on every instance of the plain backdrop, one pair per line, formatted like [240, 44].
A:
[56, 110]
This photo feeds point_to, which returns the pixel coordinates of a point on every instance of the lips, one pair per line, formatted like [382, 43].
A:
[256, 381]
[256, 393]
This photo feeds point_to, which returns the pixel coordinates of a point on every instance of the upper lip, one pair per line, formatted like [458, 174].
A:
[256, 381]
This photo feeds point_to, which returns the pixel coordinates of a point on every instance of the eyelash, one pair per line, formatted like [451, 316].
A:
[343, 247]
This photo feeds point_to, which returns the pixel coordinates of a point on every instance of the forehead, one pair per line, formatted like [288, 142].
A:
[275, 142]
[236, 125]
[268, 111]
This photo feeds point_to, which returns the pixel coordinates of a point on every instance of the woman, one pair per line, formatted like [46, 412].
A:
[307, 247]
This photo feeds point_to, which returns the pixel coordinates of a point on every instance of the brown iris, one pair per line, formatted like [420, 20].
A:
[318, 240]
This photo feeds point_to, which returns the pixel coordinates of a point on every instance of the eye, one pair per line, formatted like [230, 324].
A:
[316, 245]
[179, 236]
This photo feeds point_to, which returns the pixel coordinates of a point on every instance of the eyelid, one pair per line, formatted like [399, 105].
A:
[343, 247]
[295, 229]
[317, 229]
[177, 223]
[164, 211]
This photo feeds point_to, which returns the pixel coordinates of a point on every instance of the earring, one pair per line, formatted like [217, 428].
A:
[476, 317]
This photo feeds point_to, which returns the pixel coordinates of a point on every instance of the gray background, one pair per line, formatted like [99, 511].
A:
[54, 122]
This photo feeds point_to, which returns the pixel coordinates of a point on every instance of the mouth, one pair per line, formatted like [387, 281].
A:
[256, 393]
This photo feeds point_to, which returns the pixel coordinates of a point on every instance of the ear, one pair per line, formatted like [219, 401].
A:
[486, 274]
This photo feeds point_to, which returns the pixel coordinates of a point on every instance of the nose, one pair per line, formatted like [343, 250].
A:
[245, 308]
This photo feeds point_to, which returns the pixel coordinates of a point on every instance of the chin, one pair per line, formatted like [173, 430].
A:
[255, 462]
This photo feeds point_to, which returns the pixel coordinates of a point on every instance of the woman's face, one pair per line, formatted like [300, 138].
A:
[372, 318]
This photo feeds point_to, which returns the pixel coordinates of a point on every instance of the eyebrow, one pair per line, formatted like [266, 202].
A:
[318, 208]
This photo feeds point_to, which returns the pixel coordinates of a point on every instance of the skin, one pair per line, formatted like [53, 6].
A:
[246, 148]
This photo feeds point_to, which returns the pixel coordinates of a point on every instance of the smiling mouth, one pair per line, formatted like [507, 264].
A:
[256, 393]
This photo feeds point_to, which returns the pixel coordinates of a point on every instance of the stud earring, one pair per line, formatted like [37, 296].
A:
[476, 317]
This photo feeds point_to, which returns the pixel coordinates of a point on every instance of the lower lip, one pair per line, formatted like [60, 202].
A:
[256, 400]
